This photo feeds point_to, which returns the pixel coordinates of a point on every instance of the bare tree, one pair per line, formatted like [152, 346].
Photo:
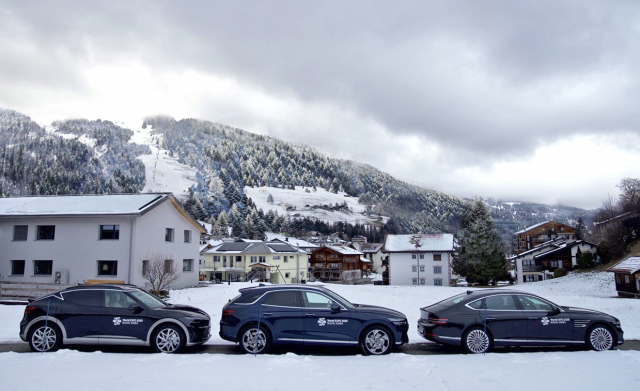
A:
[160, 271]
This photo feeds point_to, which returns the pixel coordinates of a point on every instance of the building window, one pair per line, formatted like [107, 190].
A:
[216, 258]
[276, 257]
[421, 268]
[254, 259]
[187, 265]
[318, 255]
[422, 281]
[437, 270]
[437, 282]
[168, 235]
[413, 256]
[42, 268]
[437, 257]
[421, 256]
[224, 261]
[285, 258]
[17, 268]
[110, 231]
[187, 236]
[334, 265]
[262, 258]
[626, 279]
[107, 268]
[20, 232]
[46, 232]
[286, 275]
[334, 255]
[414, 281]
[414, 269]
[145, 267]
[168, 266]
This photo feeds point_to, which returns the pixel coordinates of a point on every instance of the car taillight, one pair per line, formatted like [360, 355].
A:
[227, 312]
[28, 309]
[438, 320]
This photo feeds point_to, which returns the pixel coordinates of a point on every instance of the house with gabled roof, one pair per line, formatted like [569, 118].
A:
[540, 262]
[337, 263]
[540, 233]
[234, 261]
[76, 238]
[627, 276]
[371, 252]
[419, 259]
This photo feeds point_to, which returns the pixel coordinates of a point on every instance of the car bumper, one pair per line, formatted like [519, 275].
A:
[199, 335]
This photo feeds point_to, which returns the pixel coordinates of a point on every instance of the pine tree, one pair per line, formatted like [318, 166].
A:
[481, 246]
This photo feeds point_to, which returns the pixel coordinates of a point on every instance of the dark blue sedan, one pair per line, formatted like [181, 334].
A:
[269, 315]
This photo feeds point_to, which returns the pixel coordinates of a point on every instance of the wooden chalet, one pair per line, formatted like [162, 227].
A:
[540, 233]
[337, 263]
[627, 276]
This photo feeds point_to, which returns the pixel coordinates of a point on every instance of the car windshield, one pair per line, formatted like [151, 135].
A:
[341, 300]
[147, 299]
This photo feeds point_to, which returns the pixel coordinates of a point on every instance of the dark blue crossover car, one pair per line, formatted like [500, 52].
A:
[268, 315]
[111, 315]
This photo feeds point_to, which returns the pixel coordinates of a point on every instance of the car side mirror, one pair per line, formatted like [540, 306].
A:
[136, 309]
[335, 307]
[555, 311]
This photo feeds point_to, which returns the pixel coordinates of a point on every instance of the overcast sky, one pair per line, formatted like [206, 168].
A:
[514, 100]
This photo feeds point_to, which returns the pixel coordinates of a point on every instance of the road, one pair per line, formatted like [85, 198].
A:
[413, 349]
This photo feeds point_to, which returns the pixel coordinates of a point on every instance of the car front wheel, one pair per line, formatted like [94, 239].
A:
[168, 339]
[254, 340]
[45, 338]
[477, 340]
[376, 340]
[600, 338]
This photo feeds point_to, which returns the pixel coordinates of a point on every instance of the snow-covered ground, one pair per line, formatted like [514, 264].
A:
[494, 371]
[299, 198]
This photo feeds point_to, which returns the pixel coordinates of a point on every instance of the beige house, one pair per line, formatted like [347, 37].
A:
[233, 262]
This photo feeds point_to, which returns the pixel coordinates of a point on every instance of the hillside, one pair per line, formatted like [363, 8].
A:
[224, 175]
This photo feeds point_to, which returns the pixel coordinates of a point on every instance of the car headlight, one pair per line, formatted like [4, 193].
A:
[616, 322]
[398, 321]
[196, 322]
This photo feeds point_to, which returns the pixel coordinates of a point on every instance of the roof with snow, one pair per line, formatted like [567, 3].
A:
[418, 243]
[87, 205]
[345, 250]
[367, 248]
[630, 265]
[538, 225]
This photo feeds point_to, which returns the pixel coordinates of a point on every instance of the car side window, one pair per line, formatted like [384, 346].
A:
[530, 303]
[476, 305]
[84, 297]
[283, 299]
[501, 303]
[115, 299]
[316, 300]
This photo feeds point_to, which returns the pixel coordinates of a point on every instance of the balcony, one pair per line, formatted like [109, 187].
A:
[531, 268]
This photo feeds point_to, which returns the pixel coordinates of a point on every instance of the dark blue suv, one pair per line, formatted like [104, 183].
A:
[269, 315]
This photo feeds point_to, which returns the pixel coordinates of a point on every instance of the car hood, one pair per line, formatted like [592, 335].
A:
[582, 311]
[379, 310]
[186, 309]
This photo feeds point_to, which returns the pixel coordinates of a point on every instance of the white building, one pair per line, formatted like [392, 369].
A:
[372, 252]
[72, 239]
[419, 259]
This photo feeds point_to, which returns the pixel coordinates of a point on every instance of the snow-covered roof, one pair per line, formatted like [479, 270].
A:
[532, 227]
[296, 242]
[345, 250]
[629, 265]
[80, 205]
[419, 243]
[367, 247]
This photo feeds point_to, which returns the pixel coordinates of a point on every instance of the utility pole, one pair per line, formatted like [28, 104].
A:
[298, 263]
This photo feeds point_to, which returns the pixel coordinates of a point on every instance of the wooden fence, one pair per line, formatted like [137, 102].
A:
[22, 291]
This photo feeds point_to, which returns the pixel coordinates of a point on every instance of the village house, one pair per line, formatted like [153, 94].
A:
[75, 239]
[540, 262]
[627, 276]
[235, 261]
[540, 233]
[337, 263]
[371, 252]
[419, 259]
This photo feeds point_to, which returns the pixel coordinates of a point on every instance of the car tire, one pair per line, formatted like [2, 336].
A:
[376, 341]
[477, 340]
[45, 338]
[168, 339]
[600, 338]
[248, 337]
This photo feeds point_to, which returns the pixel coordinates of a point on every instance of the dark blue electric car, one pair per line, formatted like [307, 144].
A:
[269, 315]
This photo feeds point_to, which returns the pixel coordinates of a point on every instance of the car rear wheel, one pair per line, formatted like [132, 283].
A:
[477, 340]
[168, 339]
[376, 340]
[600, 338]
[254, 340]
[45, 338]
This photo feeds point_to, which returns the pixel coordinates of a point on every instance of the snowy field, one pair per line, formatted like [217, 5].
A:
[299, 198]
[493, 371]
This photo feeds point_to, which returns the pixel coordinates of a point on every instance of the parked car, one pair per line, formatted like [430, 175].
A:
[268, 315]
[111, 315]
[483, 319]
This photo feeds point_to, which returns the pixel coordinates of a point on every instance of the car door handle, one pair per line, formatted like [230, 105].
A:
[309, 314]
[490, 318]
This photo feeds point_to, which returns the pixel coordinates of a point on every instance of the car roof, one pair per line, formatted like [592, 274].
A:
[102, 286]
[491, 292]
[267, 288]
